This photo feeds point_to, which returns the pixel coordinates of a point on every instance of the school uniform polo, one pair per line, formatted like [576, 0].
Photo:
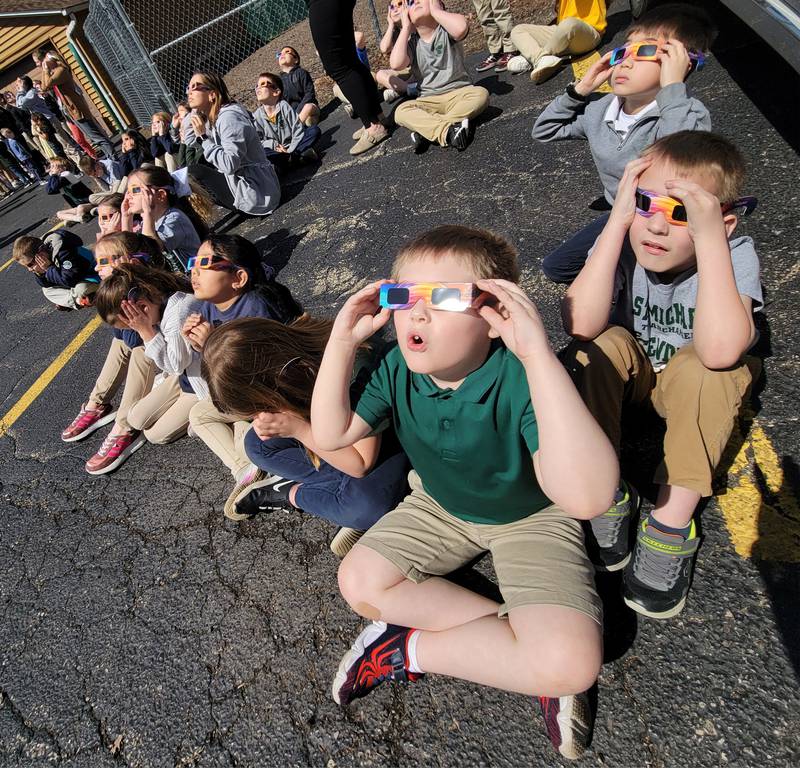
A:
[471, 446]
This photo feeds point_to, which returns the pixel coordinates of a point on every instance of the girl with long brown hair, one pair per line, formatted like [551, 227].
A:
[265, 371]
[239, 176]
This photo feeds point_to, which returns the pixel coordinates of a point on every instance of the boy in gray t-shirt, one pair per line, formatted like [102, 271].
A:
[430, 43]
[662, 313]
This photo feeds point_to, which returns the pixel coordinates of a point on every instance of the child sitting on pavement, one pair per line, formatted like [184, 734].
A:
[662, 314]
[61, 265]
[396, 83]
[283, 136]
[472, 374]
[648, 101]
[430, 41]
[298, 86]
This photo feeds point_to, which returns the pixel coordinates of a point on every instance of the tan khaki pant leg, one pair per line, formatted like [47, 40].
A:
[219, 432]
[112, 374]
[572, 36]
[531, 39]
[700, 407]
[138, 382]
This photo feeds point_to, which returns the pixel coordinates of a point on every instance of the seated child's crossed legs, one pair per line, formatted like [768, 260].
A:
[432, 116]
[551, 644]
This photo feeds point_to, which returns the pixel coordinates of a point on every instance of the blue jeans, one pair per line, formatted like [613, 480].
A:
[282, 159]
[353, 502]
[564, 263]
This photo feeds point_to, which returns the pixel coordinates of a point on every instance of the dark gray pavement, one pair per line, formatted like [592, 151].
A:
[139, 627]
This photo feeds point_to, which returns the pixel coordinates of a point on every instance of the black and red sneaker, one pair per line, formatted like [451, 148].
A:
[568, 722]
[378, 654]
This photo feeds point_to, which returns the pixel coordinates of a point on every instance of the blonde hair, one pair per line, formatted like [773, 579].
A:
[486, 254]
[164, 117]
[25, 248]
[61, 164]
[118, 245]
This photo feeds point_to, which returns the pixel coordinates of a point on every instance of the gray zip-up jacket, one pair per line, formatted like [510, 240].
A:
[286, 130]
[233, 148]
[568, 118]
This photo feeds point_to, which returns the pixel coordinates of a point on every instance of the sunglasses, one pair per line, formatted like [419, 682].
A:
[209, 262]
[648, 204]
[197, 87]
[109, 261]
[450, 297]
[107, 216]
[644, 51]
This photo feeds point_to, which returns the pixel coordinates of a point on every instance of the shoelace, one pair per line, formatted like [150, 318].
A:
[108, 444]
[606, 529]
[656, 568]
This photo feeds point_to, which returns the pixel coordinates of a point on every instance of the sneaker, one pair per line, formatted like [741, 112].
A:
[390, 95]
[309, 155]
[546, 66]
[344, 540]
[266, 494]
[657, 579]
[378, 654]
[568, 722]
[85, 301]
[458, 135]
[609, 537]
[420, 143]
[245, 480]
[87, 421]
[517, 64]
[369, 140]
[502, 61]
[114, 451]
[487, 64]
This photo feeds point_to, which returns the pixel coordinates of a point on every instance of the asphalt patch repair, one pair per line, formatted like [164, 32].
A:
[141, 628]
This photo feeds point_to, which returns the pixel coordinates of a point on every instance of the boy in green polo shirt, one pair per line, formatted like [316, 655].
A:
[506, 458]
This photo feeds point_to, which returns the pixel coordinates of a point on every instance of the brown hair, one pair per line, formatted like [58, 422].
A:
[216, 83]
[25, 248]
[198, 206]
[164, 117]
[61, 164]
[113, 200]
[688, 23]
[488, 255]
[120, 244]
[274, 80]
[149, 283]
[700, 152]
[253, 364]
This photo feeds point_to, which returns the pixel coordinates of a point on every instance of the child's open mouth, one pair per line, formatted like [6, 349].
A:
[415, 343]
[653, 248]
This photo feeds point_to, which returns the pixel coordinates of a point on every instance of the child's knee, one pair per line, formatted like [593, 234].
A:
[566, 664]
[353, 582]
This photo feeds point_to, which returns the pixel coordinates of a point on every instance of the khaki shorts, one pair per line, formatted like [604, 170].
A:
[539, 560]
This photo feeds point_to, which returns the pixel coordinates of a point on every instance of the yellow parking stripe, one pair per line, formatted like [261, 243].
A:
[581, 66]
[761, 512]
[6, 265]
[47, 376]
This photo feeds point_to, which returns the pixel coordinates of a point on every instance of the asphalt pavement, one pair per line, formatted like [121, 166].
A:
[141, 628]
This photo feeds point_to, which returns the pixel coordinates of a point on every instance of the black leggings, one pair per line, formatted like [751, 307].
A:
[215, 184]
[331, 24]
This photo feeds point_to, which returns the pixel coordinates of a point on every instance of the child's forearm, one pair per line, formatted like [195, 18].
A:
[331, 414]
[586, 306]
[723, 326]
[454, 24]
[399, 56]
[576, 464]
[348, 460]
[386, 41]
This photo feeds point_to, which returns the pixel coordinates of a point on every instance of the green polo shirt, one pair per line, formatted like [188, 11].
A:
[471, 446]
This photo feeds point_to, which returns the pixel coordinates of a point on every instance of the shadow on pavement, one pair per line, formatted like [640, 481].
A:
[7, 239]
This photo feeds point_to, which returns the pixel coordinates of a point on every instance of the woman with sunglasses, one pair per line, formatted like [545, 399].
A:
[239, 176]
[155, 304]
[331, 23]
[125, 362]
[232, 281]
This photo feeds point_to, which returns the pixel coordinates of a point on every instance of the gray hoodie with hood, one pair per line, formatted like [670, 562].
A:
[569, 118]
[233, 148]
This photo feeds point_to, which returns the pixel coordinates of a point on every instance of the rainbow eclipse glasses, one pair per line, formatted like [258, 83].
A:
[645, 51]
[450, 297]
[649, 203]
[209, 262]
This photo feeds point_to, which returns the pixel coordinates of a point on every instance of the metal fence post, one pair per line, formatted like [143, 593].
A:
[375, 21]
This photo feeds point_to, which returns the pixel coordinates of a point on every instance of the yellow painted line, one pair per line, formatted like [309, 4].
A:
[7, 264]
[581, 66]
[761, 512]
[47, 376]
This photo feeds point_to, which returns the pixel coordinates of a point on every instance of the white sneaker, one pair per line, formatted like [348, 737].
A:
[546, 66]
[517, 64]
[390, 95]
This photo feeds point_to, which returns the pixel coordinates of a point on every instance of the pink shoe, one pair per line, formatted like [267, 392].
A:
[87, 421]
[114, 451]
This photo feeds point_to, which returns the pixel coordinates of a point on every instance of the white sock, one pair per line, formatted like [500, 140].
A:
[411, 653]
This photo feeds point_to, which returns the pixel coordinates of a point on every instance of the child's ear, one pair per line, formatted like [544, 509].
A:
[240, 281]
[731, 220]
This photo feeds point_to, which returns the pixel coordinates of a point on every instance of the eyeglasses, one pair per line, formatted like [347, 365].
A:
[645, 51]
[649, 203]
[197, 87]
[109, 261]
[450, 297]
[209, 262]
[106, 216]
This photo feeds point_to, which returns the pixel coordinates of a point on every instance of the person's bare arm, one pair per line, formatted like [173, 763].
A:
[399, 58]
[456, 25]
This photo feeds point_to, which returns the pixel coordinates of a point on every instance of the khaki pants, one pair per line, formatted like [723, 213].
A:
[168, 161]
[431, 116]
[494, 17]
[699, 405]
[222, 433]
[163, 414]
[571, 36]
[112, 374]
[69, 297]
